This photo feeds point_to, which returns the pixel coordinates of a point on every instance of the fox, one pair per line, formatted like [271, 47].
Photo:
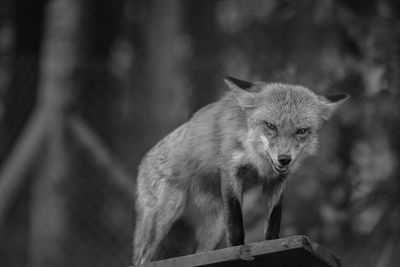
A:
[190, 185]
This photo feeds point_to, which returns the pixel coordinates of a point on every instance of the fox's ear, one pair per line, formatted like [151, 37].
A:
[241, 91]
[330, 103]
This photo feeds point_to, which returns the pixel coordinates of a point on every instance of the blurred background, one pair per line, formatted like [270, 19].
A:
[87, 87]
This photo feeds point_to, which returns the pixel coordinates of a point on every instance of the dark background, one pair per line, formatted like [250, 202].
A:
[88, 86]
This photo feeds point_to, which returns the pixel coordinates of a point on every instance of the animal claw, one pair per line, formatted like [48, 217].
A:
[245, 253]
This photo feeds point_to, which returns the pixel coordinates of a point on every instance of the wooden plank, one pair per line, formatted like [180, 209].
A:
[296, 251]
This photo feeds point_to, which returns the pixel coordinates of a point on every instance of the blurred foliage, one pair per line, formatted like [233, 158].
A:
[145, 66]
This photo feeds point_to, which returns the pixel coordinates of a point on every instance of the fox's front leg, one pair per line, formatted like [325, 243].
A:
[232, 192]
[273, 223]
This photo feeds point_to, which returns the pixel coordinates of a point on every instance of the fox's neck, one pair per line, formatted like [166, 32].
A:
[235, 127]
[262, 164]
[251, 150]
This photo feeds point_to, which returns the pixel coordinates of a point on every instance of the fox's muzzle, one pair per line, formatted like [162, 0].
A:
[284, 160]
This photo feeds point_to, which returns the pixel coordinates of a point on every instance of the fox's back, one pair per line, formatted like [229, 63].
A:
[190, 152]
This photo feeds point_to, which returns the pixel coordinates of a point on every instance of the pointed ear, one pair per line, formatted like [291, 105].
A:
[330, 103]
[240, 90]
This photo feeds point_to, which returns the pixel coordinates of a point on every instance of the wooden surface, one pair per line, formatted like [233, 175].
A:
[296, 251]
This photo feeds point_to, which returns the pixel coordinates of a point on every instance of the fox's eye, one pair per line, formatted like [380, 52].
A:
[302, 131]
[270, 126]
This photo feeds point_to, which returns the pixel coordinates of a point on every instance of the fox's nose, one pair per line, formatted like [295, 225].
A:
[284, 160]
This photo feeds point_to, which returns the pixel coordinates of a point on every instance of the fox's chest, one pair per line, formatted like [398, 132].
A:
[250, 176]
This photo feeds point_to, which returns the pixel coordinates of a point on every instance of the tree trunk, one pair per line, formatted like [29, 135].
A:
[59, 62]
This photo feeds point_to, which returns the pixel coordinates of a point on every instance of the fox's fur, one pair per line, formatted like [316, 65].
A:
[190, 185]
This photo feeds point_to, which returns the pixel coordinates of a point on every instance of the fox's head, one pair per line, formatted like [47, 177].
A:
[283, 120]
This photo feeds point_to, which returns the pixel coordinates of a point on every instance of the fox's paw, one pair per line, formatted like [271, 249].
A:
[245, 253]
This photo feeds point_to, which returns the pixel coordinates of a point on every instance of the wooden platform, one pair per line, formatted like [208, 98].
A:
[296, 251]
